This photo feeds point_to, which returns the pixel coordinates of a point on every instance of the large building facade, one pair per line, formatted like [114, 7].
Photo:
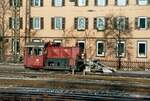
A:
[84, 22]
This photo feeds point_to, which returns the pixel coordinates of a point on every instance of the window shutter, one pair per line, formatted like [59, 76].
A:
[148, 23]
[127, 2]
[63, 2]
[63, 23]
[109, 22]
[86, 2]
[126, 23]
[53, 3]
[115, 2]
[136, 23]
[42, 22]
[31, 23]
[105, 22]
[10, 3]
[52, 22]
[31, 2]
[76, 3]
[137, 2]
[95, 19]
[115, 23]
[95, 2]
[21, 23]
[86, 23]
[75, 23]
[148, 1]
[106, 2]
[41, 3]
[20, 3]
[10, 23]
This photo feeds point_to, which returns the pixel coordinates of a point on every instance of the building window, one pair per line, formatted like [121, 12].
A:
[15, 45]
[15, 23]
[57, 42]
[81, 2]
[15, 3]
[37, 3]
[120, 48]
[58, 3]
[58, 23]
[37, 23]
[141, 22]
[81, 23]
[81, 45]
[121, 2]
[100, 48]
[121, 23]
[99, 23]
[101, 2]
[142, 2]
[142, 49]
[36, 40]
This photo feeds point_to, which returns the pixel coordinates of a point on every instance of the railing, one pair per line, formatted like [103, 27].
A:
[128, 65]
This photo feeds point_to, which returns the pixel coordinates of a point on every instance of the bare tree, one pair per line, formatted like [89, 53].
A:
[118, 30]
[4, 11]
[70, 34]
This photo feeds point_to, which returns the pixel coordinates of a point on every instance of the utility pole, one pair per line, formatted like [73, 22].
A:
[27, 21]
[16, 28]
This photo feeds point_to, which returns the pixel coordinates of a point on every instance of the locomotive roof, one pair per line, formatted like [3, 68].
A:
[35, 44]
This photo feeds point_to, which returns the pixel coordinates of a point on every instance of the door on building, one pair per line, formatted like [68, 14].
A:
[81, 45]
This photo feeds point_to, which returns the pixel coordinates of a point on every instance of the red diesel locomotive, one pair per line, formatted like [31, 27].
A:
[39, 55]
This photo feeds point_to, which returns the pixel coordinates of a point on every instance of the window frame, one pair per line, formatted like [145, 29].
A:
[81, 5]
[57, 41]
[138, 2]
[124, 22]
[34, 23]
[15, 4]
[14, 24]
[37, 51]
[78, 19]
[104, 48]
[61, 22]
[117, 3]
[17, 47]
[56, 3]
[82, 42]
[146, 22]
[104, 23]
[138, 48]
[122, 54]
[97, 3]
[34, 3]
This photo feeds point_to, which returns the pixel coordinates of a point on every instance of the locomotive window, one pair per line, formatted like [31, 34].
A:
[30, 52]
[37, 51]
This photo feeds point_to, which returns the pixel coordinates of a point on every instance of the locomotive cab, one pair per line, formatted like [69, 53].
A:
[33, 55]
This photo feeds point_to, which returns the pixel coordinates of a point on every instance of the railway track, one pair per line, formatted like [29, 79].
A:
[66, 95]
[97, 87]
